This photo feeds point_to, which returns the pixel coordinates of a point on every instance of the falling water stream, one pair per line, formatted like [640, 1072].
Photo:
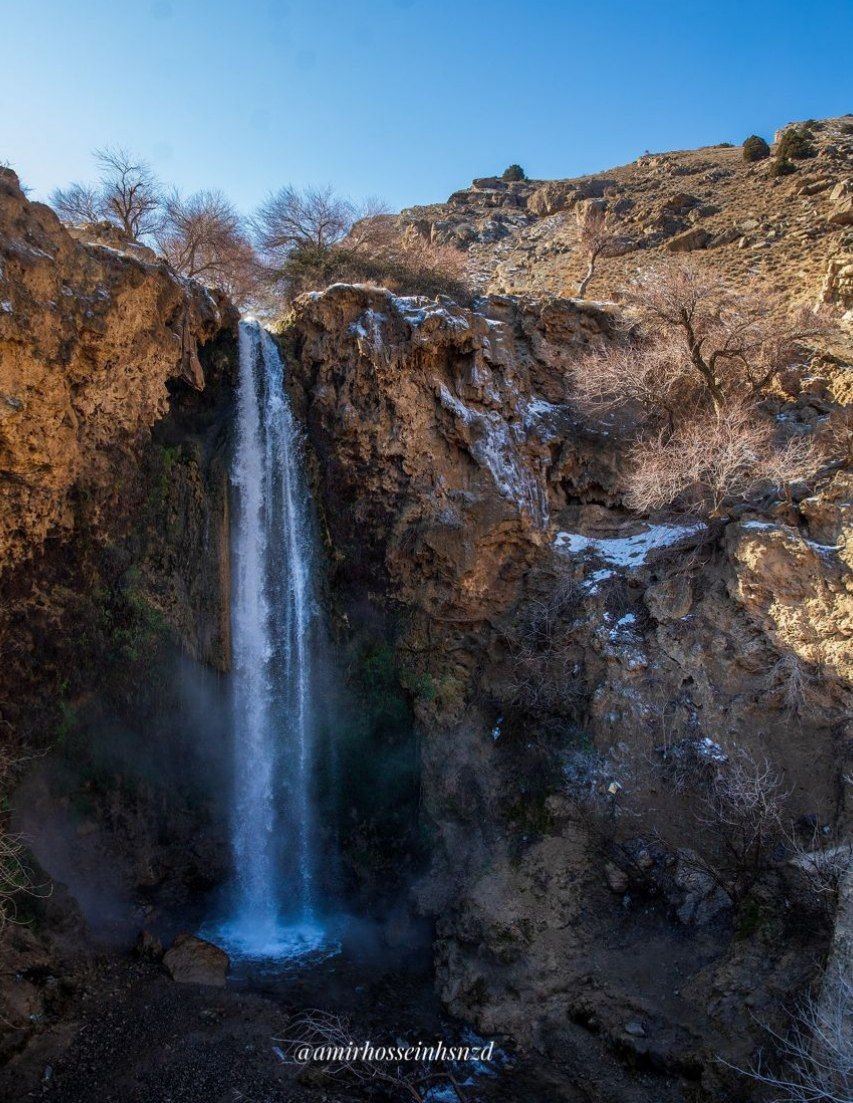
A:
[274, 910]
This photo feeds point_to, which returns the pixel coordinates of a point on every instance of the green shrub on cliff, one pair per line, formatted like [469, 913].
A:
[513, 173]
[755, 148]
[794, 145]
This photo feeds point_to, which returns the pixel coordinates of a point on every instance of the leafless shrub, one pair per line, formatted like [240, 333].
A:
[543, 675]
[318, 1030]
[719, 811]
[791, 679]
[823, 856]
[15, 876]
[597, 237]
[203, 237]
[648, 375]
[816, 1055]
[696, 368]
[293, 219]
[714, 458]
[127, 195]
[837, 435]
[740, 806]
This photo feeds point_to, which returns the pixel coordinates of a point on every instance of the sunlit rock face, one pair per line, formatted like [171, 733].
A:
[460, 490]
[90, 336]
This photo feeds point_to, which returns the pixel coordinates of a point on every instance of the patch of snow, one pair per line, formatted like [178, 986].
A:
[6, 307]
[416, 309]
[626, 551]
[767, 526]
[592, 584]
[369, 327]
[410, 307]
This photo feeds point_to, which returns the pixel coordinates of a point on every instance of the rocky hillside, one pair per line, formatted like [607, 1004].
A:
[792, 233]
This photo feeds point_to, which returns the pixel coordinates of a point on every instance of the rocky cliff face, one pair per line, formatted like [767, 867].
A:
[782, 230]
[546, 625]
[542, 632]
[115, 394]
[90, 336]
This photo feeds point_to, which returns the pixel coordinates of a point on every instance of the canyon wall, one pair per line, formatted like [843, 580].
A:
[115, 401]
[544, 625]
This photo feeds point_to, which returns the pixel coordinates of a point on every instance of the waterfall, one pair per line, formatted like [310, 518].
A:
[273, 910]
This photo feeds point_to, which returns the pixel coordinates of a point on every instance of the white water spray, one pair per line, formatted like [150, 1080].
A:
[274, 611]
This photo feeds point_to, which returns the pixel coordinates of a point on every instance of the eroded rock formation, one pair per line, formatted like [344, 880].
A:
[460, 487]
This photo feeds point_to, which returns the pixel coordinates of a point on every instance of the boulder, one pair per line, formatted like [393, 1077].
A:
[697, 238]
[193, 960]
[148, 946]
[841, 198]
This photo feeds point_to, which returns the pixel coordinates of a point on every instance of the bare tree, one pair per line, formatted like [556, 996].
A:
[127, 195]
[817, 1052]
[597, 238]
[77, 203]
[290, 219]
[203, 237]
[690, 378]
[129, 190]
[728, 341]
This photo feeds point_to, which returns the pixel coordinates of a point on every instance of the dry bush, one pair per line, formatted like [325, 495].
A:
[15, 876]
[543, 675]
[407, 262]
[816, 1055]
[127, 195]
[791, 678]
[691, 379]
[836, 435]
[720, 810]
[713, 459]
[203, 237]
[740, 805]
[649, 376]
[378, 251]
[719, 345]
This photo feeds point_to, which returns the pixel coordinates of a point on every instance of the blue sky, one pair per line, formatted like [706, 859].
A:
[402, 99]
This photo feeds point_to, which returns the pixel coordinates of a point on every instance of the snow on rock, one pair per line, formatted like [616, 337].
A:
[492, 443]
[627, 551]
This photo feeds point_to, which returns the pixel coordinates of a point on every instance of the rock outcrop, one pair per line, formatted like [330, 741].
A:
[90, 338]
[115, 391]
[523, 237]
[460, 489]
